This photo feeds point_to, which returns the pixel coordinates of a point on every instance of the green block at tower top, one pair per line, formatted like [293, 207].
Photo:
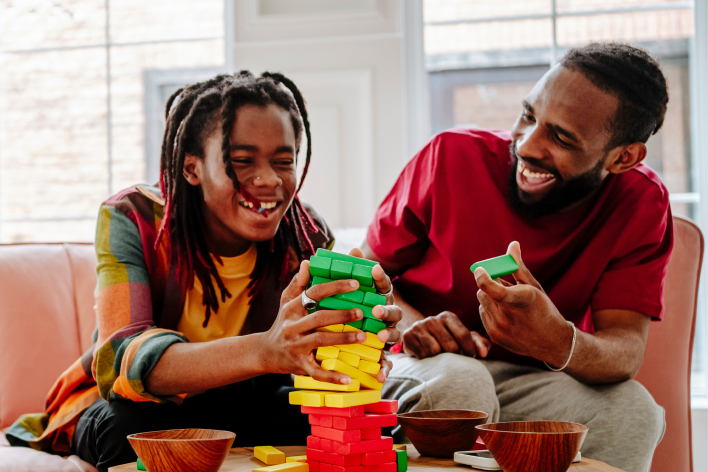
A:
[373, 299]
[362, 274]
[344, 257]
[372, 325]
[341, 270]
[497, 266]
[320, 267]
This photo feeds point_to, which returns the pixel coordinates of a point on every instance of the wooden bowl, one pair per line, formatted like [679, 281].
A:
[441, 433]
[533, 446]
[182, 450]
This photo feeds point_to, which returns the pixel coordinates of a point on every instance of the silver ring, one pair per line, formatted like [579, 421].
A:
[307, 302]
[390, 291]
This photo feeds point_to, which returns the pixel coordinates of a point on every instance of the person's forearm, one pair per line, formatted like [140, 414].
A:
[196, 367]
[410, 314]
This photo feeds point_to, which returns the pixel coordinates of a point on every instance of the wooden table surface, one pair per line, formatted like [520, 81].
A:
[240, 459]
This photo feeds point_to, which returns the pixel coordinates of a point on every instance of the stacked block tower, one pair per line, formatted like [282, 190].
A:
[347, 419]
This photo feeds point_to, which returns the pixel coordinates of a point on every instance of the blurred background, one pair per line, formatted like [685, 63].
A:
[83, 85]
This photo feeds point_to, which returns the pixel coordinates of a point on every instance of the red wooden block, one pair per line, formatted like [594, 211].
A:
[313, 466]
[385, 467]
[313, 442]
[325, 467]
[342, 436]
[321, 420]
[366, 421]
[390, 455]
[370, 433]
[329, 458]
[371, 445]
[372, 458]
[327, 445]
[384, 406]
[349, 412]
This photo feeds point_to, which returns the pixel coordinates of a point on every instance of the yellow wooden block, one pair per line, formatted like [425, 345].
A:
[365, 352]
[371, 368]
[372, 340]
[269, 455]
[365, 379]
[348, 358]
[296, 459]
[338, 328]
[400, 447]
[309, 383]
[347, 399]
[307, 397]
[285, 467]
[327, 352]
[349, 329]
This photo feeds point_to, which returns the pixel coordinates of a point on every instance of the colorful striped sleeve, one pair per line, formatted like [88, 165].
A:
[129, 345]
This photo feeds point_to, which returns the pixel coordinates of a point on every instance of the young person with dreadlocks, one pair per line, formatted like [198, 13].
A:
[201, 284]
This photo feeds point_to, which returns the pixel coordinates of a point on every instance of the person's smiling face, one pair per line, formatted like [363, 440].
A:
[559, 143]
[263, 149]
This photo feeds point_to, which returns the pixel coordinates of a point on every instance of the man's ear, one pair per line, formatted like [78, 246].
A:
[191, 169]
[629, 157]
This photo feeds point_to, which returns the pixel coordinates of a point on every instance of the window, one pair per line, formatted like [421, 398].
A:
[484, 56]
[73, 77]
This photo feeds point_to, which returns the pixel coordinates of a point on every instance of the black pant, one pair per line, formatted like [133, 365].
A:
[257, 410]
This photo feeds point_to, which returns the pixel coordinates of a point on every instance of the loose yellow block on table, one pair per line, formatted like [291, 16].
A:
[372, 340]
[372, 368]
[308, 397]
[347, 399]
[285, 467]
[269, 455]
[400, 447]
[302, 381]
[338, 328]
[365, 379]
[349, 358]
[296, 459]
[365, 352]
[327, 352]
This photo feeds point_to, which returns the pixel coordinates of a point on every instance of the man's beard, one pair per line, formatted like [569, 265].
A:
[563, 194]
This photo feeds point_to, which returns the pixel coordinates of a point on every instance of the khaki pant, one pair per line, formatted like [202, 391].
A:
[624, 422]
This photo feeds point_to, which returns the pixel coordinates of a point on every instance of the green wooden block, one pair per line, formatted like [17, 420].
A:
[319, 280]
[367, 289]
[497, 266]
[402, 460]
[345, 257]
[341, 270]
[354, 297]
[320, 266]
[362, 274]
[140, 465]
[373, 299]
[372, 325]
[331, 303]
[356, 324]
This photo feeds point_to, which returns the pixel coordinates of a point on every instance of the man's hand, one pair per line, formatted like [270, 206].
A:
[443, 333]
[521, 317]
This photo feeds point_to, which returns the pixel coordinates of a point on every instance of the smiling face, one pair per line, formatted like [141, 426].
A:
[559, 143]
[263, 147]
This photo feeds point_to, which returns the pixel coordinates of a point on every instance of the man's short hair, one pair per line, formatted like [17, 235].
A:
[634, 77]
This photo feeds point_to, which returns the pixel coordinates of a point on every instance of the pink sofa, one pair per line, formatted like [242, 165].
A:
[47, 317]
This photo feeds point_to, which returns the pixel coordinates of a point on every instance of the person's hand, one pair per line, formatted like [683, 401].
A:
[289, 344]
[443, 333]
[389, 313]
[521, 317]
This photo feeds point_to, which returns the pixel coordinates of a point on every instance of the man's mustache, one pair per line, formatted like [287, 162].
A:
[534, 162]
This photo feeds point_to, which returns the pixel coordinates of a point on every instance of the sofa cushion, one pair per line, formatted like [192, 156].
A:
[43, 288]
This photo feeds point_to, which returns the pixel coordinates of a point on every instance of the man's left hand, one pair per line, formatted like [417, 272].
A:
[521, 317]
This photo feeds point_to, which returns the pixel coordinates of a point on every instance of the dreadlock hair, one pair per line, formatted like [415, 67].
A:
[634, 77]
[192, 113]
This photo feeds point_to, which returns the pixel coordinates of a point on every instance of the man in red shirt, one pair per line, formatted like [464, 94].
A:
[569, 188]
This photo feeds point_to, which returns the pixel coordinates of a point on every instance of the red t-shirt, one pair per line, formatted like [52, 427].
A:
[449, 209]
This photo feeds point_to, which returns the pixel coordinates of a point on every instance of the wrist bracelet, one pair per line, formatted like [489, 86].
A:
[572, 348]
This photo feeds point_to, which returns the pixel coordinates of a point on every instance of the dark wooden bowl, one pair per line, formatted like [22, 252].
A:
[533, 446]
[182, 450]
[441, 433]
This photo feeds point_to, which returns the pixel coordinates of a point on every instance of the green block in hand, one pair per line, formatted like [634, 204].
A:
[362, 274]
[372, 325]
[341, 270]
[497, 266]
[320, 266]
[373, 299]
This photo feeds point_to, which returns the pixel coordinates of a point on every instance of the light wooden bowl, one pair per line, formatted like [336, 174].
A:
[441, 433]
[182, 450]
[533, 446]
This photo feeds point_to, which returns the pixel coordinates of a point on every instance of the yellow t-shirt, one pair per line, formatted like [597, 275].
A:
[230, 319]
